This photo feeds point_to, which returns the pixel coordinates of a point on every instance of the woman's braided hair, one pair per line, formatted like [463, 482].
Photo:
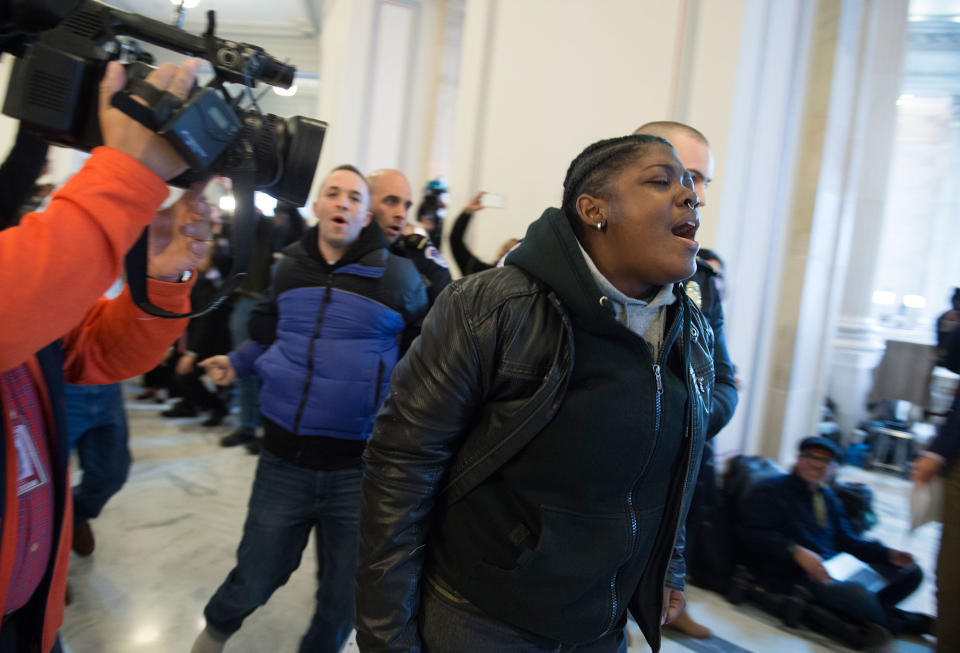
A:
[594, 169]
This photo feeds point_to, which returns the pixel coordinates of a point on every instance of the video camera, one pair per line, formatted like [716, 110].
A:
[63, 47]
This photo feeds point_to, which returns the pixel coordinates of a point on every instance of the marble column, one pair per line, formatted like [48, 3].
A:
[852, 89]
[858, 343]
[377, 61]
[752, 212]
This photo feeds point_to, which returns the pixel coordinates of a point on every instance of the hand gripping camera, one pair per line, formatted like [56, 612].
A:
[63, 47]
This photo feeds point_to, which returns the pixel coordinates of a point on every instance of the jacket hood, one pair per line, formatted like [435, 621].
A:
[551, 253]
[369, 240]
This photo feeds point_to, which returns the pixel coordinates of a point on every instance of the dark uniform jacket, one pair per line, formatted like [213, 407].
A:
[702, 289]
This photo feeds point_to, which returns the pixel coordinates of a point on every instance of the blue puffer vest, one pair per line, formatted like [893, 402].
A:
[325, 339]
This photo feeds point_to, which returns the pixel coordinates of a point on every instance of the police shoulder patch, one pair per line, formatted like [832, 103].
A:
[692, 289]
[432, 253]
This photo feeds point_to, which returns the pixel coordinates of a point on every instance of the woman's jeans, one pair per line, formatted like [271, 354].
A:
[288, 502]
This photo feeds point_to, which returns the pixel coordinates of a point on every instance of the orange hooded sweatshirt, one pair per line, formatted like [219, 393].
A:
[54, 269]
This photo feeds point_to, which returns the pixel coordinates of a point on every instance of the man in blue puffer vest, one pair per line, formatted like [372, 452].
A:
[324, 341]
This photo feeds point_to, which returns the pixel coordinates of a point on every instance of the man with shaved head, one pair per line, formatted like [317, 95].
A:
[390, 199]
[692, 148]
[324, 341]
[695, 154]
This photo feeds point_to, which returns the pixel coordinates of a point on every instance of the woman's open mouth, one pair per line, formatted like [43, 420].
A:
[687, 230]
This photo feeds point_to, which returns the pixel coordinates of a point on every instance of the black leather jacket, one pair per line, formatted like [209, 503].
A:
[490, 371]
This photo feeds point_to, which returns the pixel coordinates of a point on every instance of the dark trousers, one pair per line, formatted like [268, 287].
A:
[286, 504]
[451, 625]
[248, 387]
[853, 600]
[704, 499]
[948, 564]
[195, 394]
[97, 425]
[15, 639]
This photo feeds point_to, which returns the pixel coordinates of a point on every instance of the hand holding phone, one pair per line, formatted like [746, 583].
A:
[491, 201]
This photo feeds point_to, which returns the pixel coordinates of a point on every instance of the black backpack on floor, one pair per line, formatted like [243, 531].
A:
[857, 500]
[716, 552]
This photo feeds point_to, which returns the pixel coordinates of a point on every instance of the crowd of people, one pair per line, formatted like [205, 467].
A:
[517, 459]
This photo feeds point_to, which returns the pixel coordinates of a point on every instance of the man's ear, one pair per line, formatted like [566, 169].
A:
[366, 220]
[316, 206]
[591, 211]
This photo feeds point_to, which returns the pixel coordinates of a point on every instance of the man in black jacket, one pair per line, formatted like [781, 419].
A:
[695, 154]
[694, 151]
[207, 335]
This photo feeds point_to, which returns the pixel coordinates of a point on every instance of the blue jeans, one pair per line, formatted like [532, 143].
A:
[97, 428]
[451, 625]
[286, 504]
[248, 387]
[855, 601]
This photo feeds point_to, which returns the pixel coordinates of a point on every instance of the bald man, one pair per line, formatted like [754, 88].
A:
[695, 154]
[390, 200]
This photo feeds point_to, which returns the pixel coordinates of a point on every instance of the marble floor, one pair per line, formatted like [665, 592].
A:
[167, 540]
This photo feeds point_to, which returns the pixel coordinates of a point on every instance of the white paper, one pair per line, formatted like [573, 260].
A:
[845, 567]
[926, 503]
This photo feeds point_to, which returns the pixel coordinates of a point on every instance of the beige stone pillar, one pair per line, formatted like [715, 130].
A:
[858, 343]
[843, 151]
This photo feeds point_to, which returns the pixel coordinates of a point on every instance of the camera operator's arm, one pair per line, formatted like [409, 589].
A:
[116, 340]
[55, 265]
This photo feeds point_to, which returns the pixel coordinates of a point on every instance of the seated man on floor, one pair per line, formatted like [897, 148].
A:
[793, 523]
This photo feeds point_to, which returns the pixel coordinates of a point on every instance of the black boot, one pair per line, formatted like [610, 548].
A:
[741, 582]
[823, 621]
[216, 416]
[180, 409]
[912, 623]
[794, 605]
[238, 437]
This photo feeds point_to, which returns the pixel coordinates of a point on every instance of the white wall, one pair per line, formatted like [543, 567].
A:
[541, 81]
[706, 89]
[539, 84]
[377, 59]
